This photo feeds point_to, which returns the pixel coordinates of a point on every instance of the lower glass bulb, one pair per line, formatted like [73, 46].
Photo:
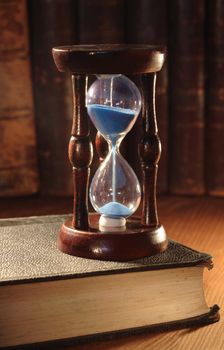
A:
[115, 190]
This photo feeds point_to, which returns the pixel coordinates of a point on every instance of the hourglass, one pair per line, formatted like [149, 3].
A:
[113, 103]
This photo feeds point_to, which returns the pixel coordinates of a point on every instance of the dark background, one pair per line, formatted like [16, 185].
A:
[189, 97]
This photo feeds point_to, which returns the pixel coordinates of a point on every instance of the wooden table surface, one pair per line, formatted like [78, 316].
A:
[197, 222]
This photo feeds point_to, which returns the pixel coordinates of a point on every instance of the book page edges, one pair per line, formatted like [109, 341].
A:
[203, 320]
[210, 317]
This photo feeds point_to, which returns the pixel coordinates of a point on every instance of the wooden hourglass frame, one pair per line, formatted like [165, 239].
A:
[143, 235]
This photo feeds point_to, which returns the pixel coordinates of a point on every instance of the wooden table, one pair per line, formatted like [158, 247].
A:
[197, 222]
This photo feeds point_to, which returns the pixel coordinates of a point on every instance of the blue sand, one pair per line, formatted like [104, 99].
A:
[115, 209]
[110, 121]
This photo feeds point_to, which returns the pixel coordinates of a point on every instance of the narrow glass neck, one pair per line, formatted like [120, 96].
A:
[114, 142]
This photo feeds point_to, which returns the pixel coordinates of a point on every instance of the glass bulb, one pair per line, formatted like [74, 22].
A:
[113, 104]
[115, 190]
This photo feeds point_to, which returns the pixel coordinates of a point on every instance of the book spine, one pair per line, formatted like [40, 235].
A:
[214, 161]
[186, 59]
[101, 22]
[18, 165]
[52, 24]
[147, 24]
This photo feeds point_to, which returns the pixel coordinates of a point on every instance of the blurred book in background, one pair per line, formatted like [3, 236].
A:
[186, 88]
[18, 166]
[52, 23]
[101, 22]
[214, 145]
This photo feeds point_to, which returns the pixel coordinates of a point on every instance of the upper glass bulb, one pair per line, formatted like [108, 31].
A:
[122, 97]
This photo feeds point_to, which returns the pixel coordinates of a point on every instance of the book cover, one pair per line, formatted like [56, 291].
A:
[214, 161]
[147, 23]
[38, 282]
[186, 64]
[52, 23]
[18, 154]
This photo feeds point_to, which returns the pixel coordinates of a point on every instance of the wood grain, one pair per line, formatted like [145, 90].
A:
[197, 222]
[109, 58]
[112, 245]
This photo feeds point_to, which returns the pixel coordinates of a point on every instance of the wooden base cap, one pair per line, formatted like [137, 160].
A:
[137, 241]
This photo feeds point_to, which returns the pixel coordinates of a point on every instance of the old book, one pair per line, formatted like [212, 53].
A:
[47, 296]
[214, 161]
[101, 22]
[146, 23]
[18, 161]
[52, 23]
[186, 57]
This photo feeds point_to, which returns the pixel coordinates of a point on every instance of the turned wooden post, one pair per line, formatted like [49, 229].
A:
[80, 153]
[149, 151]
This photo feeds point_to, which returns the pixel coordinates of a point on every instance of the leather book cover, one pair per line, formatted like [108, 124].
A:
[214, 161]
[186, 60]
[52, 23]
[18, 161]
[146, 23]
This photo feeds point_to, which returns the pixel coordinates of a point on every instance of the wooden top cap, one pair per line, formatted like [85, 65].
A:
[109, 59]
